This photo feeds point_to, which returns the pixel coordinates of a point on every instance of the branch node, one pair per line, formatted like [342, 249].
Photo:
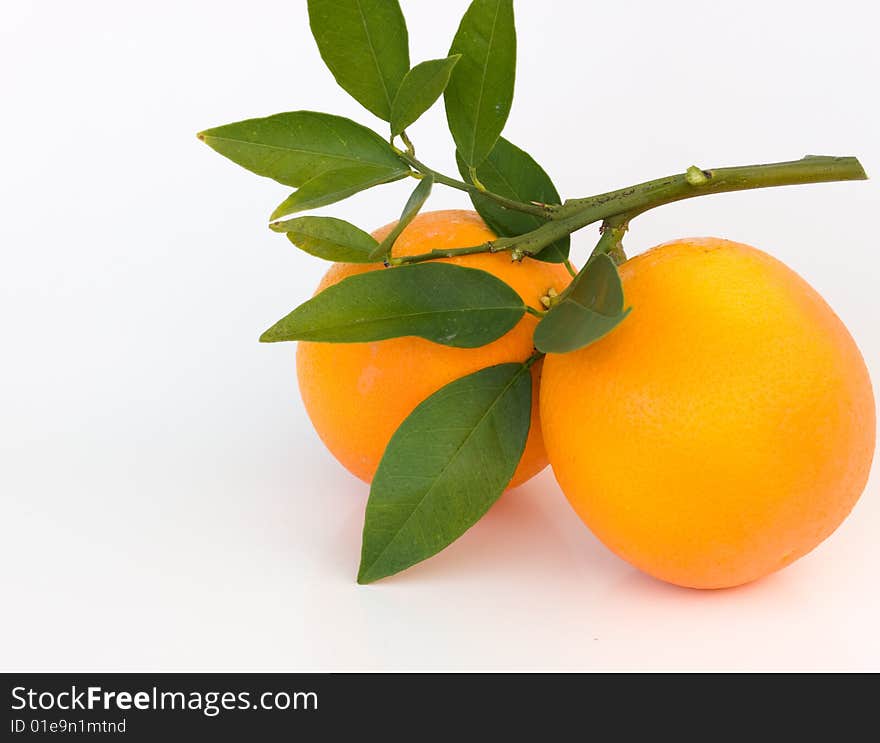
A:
[696, 176]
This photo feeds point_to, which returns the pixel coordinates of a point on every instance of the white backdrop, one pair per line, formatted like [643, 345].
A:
[165, 502]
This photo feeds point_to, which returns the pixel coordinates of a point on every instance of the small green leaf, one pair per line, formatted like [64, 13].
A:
[295, 147]
[332, 186]
[328, 238]
[422, 85]
[412, 207]
[449, 461]
[510, 172]
[448, 304]
[480, 88]
[365, 45]
[591, 308]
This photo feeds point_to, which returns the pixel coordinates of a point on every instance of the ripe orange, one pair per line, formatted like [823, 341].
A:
[724, 429]
[357, 394]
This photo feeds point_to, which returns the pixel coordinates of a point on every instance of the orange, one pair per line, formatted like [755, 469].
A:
[357, 394]
[724, 429]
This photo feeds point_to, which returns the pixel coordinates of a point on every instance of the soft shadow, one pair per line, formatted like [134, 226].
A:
[640, 586]
[530, 530]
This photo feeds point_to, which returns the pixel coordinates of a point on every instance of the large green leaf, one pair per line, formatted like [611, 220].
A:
[413, 204]
[329, 238]
[510, 172]
[366, 47]
[332, 186]
[480, 89]
[444, 467]
[591, 308]
[295, 147]
[444, 303]
[422, 85]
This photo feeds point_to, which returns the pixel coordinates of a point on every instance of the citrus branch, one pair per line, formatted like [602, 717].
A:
[626, 203]
[493, 246]
[632, 201]
[697, 182]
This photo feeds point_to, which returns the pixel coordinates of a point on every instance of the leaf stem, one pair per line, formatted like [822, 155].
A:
[569, 268]
[410, 150]
[532, 311]
[533, 358]
[472, 173]
[537, 210]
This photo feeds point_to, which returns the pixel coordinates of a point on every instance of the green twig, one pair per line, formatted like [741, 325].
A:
[611, 238]
[493, 246]
[697, 182]
[627, 203]
[533, 209]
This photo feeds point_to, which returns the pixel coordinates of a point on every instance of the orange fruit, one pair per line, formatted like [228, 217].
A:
[724, 429]
[357, 394]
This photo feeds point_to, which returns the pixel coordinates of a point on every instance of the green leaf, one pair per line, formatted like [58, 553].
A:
[295, 147]
[510, 172]
[328, 238]
[422, 85]
[480, 88]
[412, 207]
[444, 467]
[365, 45]
[441, 302]
[332, 186]
[590, 308]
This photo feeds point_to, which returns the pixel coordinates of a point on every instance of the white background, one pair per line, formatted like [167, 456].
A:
[165, 502]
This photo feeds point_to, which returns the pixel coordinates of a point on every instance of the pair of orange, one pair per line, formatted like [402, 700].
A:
[723, 430]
